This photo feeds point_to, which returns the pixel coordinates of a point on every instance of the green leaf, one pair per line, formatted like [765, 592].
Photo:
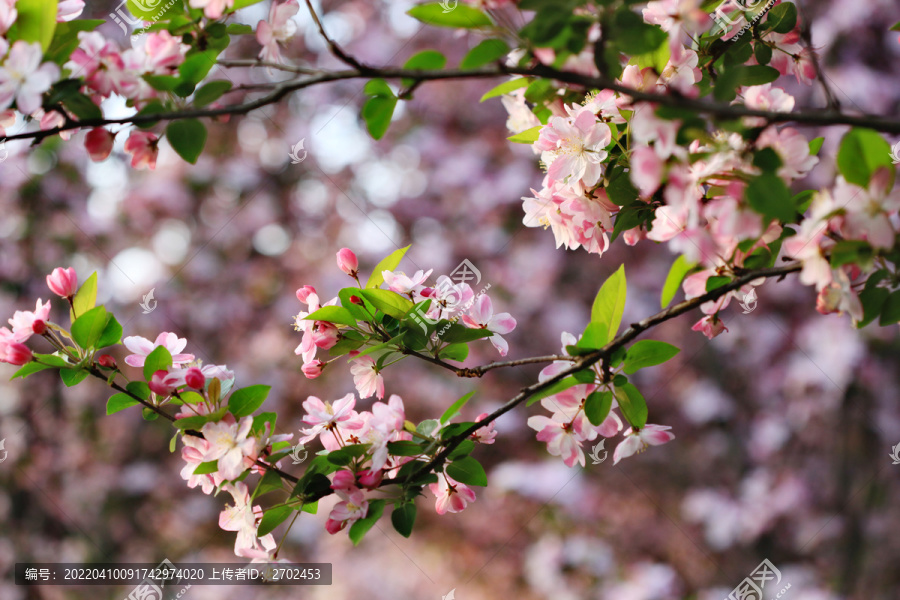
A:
[873, 297]
[82, 107]
[273, 518]
[270, 482]
[647, 353]
[36, 21]
[403, 517]
[529, 136]
[680, 268]
[716, 281]
[72, 377]
[239, 29]
[455, 407]
[861, 152]
[187, 137]
[782, 18]
[896, 26]
[158, 360]
[597, 407]
[333, 314]
[556, 388]
[815, 145]
[634, 36]
[245, 401]
[139, 389]
[119, 402]
[206, 468]
[426, 60]
[486, 52]
[404, 448]
[211, 92]
[738, 76]
[191, 422]
[770, 197]
[609, 305]
[457, 352]
[65, 39]
[890, 311]
[388, 302]
[468, 471]
[48, 361]
[505, 88]
[848, 252]
[111, 335]
[379, 109]
[359, 529]
[456, 334]
[389, 263]
[460, 16]
[87, 328]
[148, 414]
[632, 405]
[86, 296]
[464, 449]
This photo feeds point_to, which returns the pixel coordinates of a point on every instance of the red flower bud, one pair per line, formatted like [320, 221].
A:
[39, 327]
[18, 354]
[195, 378]
[158, 384]
[107, 361]
[356, 300]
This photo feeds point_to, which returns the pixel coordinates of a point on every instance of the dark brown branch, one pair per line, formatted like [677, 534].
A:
[335, 49]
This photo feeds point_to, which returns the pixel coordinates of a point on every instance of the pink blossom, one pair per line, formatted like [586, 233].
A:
[106, 360]
[808, 244]
[521, 117]
[481, 316]
[279, 28]
[638, 440]
[352, 507]
[194, 453]
[399, 282]
[68, 10]
[164, 383]
[8, 14]
[213, 9]
[451, 496]
[560, 436]
[343, 479]
[313, 368]
[768, 97]
[839, 296]
[63, 282]
[681, 19]
[574, 149]
[325, 335]
[347, 262]
[143, 147]
[486, 434]
[793, 149]
[16, 354]
[646, 170]
[24, 79]
[323, 416]
[305, 292]
[646, 127]
[868, 211]
[710, 326]
[99, 143]
[163, 53]
[25, 323]
[448, 299]
[366, 378]
[229, 444]
[244, 519]
[194, 378]
[142, 347]
[371, 478]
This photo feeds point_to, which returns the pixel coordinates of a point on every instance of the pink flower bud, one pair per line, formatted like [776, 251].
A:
[304, 293]
[347, 262]
[195, 378]
[325, 335]
[356, 300]
[63, 282]
[39, 326]
[143, 147]
[158, 384]
[371, 479]
[99, 143]
[18, 354]
[107, 361]
[313, 368]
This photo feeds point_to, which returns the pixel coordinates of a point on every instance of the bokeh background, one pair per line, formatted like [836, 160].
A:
[784, 424]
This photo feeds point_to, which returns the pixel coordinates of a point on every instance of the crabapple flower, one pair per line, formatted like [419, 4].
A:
[193, 453]
[868, 211]
[810, 240]
[142, 347]
[164, 383]
[63, 282]
[143, 147]
[229, 444]
[352, 507]
[213, 9]
[560, 436]
[194, 378]
[366, 378]
[638, 440]
[25, 323]
[839, 296]
[24, 79]
[324, 416]
[347, 262]
[8, 14]
[280, 27]
[574, 148]
[17, 354]
[244, 519]
[793, 149]
[679, 18]
[106, 360]
[451, 496]
[99, 143]
[313, 368]
[521, 116]
[486, 434]
[481, 316]
[710, 326]
[68, 10]
[400, 282]
[163, 53]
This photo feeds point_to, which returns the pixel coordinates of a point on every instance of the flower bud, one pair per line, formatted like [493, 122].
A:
[356, 300]
[158, 384]
[347, 262]
[63, 282]
[99, 143]
[39, 326]
[304, 293]
[107, 361]
[371, 479]
[194, 378]
[18, 354]
[313, 368]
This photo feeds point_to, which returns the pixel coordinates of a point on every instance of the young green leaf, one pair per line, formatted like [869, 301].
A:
[529, 136]
[388, 302]
[158, 360]
[680, 268]
[505, 88]
[632, 404]
[246, 401]
[456, 352]
[87, 329]
[187, 137]
[403, 517]
[609, 305]
[333, 314]
[455, 407]
[597, 407]
[861, 152]
[486, 52]
[272, 519]
[86, 296]
[359, 529]
[468, 471]
[647, 353]
[389, 263]
[72, 377]
[119, 402]
[36, 21]
[463, 16]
